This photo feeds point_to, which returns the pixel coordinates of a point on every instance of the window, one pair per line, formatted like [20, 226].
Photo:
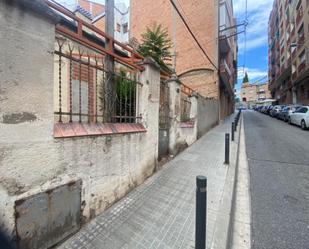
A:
[85, 92]
[125, 28]
[118, 27]
[302, 110]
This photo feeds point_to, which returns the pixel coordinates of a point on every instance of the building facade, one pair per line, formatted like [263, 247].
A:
[191, 66]
[254, 93]
[227, 56]
[288, 52]
[94, 13]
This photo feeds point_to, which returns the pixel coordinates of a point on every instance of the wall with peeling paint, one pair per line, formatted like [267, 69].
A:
[31, 160]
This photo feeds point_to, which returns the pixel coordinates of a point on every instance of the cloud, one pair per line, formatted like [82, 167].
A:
[253, 74]
[258, 16]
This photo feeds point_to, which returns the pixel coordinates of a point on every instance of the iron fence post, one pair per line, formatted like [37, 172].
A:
[200, 218]
[227, 148]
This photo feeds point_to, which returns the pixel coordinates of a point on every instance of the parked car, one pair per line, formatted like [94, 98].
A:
[269, 109]
[274, 112]
[284, 114]
[300, 117]
[264, 109]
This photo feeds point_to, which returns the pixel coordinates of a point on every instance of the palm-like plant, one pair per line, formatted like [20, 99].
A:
[157, 44]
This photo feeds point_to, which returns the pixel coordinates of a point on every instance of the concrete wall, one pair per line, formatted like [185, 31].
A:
[181, 134]
[31, 159]
[207, 115]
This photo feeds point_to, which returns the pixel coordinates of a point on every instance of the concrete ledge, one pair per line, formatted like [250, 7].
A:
[223, 226]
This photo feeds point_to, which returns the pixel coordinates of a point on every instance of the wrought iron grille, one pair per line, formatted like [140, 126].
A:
[164, 106]
[185, 103]
[86, 92]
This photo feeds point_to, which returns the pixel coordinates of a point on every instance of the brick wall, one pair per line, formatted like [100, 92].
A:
[202, 17]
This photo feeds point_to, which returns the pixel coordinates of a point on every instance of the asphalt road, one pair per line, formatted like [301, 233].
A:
[278, 157]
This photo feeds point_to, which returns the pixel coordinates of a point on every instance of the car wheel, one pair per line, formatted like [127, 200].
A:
[303, 125]
[289, 121]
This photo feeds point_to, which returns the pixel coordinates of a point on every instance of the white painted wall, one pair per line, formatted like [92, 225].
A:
[31, 159]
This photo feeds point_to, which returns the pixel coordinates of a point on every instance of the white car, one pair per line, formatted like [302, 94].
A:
[300, 117]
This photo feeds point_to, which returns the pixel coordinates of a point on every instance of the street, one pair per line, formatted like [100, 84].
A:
[278, 157]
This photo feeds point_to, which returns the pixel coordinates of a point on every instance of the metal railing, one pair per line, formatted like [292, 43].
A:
[185, 103]
[86, 92]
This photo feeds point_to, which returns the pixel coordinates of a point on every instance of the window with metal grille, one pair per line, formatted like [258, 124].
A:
[86, 92]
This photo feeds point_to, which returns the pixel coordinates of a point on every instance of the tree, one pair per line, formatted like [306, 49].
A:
[157, 44]
[246, 78]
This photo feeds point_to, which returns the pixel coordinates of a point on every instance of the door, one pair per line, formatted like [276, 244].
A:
[164, 120]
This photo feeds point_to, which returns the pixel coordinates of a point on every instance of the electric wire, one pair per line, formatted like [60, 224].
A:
[192, 34]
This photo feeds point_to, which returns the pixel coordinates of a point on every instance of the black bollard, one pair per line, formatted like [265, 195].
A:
[233, 130]
[200, 216]
[227, 148]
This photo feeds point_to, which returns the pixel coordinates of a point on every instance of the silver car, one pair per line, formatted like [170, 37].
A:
[300, 117]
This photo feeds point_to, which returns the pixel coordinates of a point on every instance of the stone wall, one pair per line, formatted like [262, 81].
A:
[31, 159]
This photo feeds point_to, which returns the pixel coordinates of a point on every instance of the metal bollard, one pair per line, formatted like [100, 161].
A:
[227, 148]
[235, 121]
[200, 216]
[233, 130]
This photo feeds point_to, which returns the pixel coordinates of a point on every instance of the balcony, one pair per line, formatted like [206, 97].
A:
[226, 74]
[224, 44]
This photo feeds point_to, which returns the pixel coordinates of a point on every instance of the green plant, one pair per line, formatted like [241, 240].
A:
[246, 78]
[157, 44]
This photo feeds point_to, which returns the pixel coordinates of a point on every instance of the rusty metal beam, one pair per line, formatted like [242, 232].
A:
[80, 38]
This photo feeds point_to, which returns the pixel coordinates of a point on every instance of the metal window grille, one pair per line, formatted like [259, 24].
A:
[86, 92]
[164, 106]
[185, 103]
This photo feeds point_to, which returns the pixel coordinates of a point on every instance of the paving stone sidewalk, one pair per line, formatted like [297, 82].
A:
[160, 213]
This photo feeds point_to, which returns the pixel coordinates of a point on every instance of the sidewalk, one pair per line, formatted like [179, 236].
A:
[161, 212]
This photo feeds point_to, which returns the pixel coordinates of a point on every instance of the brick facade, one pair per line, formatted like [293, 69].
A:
[202, 17]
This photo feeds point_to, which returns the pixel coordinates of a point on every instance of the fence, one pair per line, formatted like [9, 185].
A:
[185, 103]
[88, 88]
[87, 92]
[164, 106]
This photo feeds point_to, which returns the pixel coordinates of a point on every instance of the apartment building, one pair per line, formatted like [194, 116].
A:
[252, 93]
[288, 51]
[227, 56]
[94, 13]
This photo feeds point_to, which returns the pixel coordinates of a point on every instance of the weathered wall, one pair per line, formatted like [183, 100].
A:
[207, 115]
[31, 160]
[181, 135]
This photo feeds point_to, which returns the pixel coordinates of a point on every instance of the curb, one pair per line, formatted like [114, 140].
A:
[223, 228]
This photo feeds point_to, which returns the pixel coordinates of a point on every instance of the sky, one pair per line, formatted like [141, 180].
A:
[255, 60]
